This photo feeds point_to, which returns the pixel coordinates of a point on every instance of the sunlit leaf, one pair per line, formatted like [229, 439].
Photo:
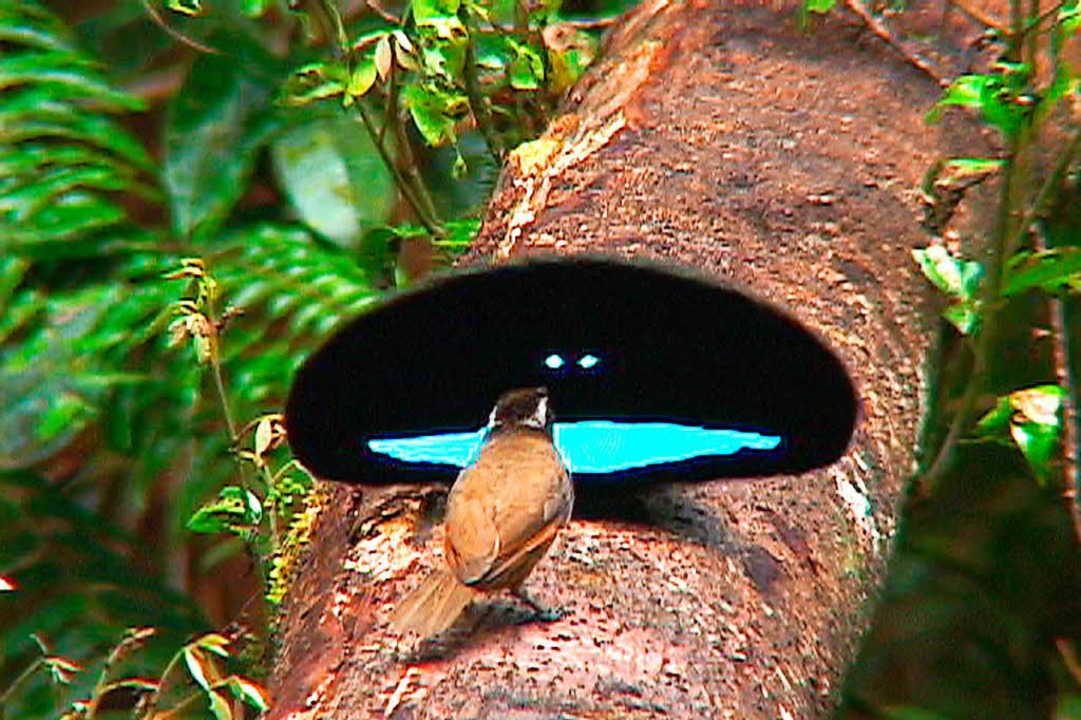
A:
[362, 78]
[194, 661]
[959, 279]
[425, 11]
[215, 643]
[334, 178]
[185, 7]
[1041, 404]
[435, 112]
[249, 692]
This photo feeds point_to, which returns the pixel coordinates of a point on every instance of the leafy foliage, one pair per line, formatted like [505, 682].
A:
[222, 156]
[987, 552]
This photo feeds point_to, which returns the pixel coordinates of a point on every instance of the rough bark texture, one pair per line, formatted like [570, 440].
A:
[727, 139]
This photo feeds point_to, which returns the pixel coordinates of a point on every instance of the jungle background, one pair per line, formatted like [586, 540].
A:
[194, 194]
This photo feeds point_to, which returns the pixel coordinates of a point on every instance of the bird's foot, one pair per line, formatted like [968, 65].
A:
[543, 612]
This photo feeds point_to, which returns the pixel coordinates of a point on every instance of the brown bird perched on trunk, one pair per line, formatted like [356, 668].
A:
[503, 513]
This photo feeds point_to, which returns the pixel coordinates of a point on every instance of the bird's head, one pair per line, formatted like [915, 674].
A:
[522, 408]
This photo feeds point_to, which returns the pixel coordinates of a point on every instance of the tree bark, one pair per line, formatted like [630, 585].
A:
[730, 140]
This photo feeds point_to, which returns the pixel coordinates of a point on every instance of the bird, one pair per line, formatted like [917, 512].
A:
[502, 514]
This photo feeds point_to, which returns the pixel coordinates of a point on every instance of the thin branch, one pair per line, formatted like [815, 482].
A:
[383, 13]
[878, 28]
[477, 103]
[1002, 247]
[174, 33]
[428, 221]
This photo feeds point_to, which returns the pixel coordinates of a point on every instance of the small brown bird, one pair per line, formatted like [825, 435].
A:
[503, 513]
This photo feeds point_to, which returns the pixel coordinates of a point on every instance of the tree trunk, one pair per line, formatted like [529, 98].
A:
[781, 160]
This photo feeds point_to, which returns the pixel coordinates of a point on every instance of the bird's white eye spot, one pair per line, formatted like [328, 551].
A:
[588, 361]
[554, 361]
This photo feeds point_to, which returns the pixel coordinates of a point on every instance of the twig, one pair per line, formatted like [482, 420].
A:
[1002, 248]
[1064, 376]
[879, 29]
[174, 33]
[383, 13]
[477, 103]
[404, 187]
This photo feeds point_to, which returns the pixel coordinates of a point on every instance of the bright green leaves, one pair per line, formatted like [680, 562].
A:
[428, 12]
[1005, 99]
[67, 362]
[204, 659]
[435, 112]
[333, 176]
[313, 82]
[218, 123]
[1031, 419]
[958, 279]
[236, 510]
[1052, 271]
[819, 6]
[63, 158]
[1069, 18]
[526, 69]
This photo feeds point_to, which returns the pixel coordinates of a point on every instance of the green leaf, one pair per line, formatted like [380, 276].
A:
[526, 71]
[1052, 271]
[953, 276]
[215, 643]
[969, 90]
[819, 6]
[1069, 18]
[957, 170]
[994, 96]
[249, 692]
[193, 659]
[435, 112]
[443, 49]
[996, 421]
[362, 79]
[185, 7]
[219, 706]
[26, 25]
[425, 11]
[334, 178]
[236, 510]
[68, 74]
[964, 316]
[1032, 419]
[1069, 707]
[570, 52]
[1038, 443]
[221, 118]
[255, 8]
[313, 82]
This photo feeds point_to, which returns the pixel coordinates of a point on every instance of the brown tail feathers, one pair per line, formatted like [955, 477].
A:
[434, 606]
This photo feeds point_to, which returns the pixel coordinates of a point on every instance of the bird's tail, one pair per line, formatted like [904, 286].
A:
[434, 606]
